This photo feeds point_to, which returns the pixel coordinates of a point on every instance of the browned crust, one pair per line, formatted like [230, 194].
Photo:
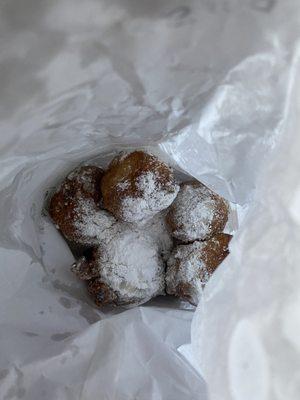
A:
[214, 251]
[218, 223]
[129, 168]
[64, 202]
[101, 293]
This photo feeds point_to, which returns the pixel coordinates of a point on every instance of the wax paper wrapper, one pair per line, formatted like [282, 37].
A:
[210, 87]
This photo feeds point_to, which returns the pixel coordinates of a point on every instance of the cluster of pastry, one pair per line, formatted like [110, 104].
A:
[138, 232]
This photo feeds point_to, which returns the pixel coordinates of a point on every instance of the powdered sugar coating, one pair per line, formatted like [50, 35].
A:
[131, 266]
[75, 206]
[153, 197]
[123, 185]
[158, 230]
[190, 266]
[93, 225]
[183, 269]
[197, 213]
[83, 177]
[136, 186]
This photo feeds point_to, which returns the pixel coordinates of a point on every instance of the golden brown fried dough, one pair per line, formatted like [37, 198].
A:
[129, 264]
[101, 293]
[136, 186]
[197, 213]
[191, 265]
[75, 207]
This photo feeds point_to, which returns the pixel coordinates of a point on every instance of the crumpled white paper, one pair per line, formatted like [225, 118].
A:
[250, 307]
[207, 85]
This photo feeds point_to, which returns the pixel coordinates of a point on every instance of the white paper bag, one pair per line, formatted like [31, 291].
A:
[207, 86]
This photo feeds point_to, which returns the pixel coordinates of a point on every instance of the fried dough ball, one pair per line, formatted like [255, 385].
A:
[197, 213]
[137, 186]
[191, 265]
[75, 207]
[127, 268]
[101, 293]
